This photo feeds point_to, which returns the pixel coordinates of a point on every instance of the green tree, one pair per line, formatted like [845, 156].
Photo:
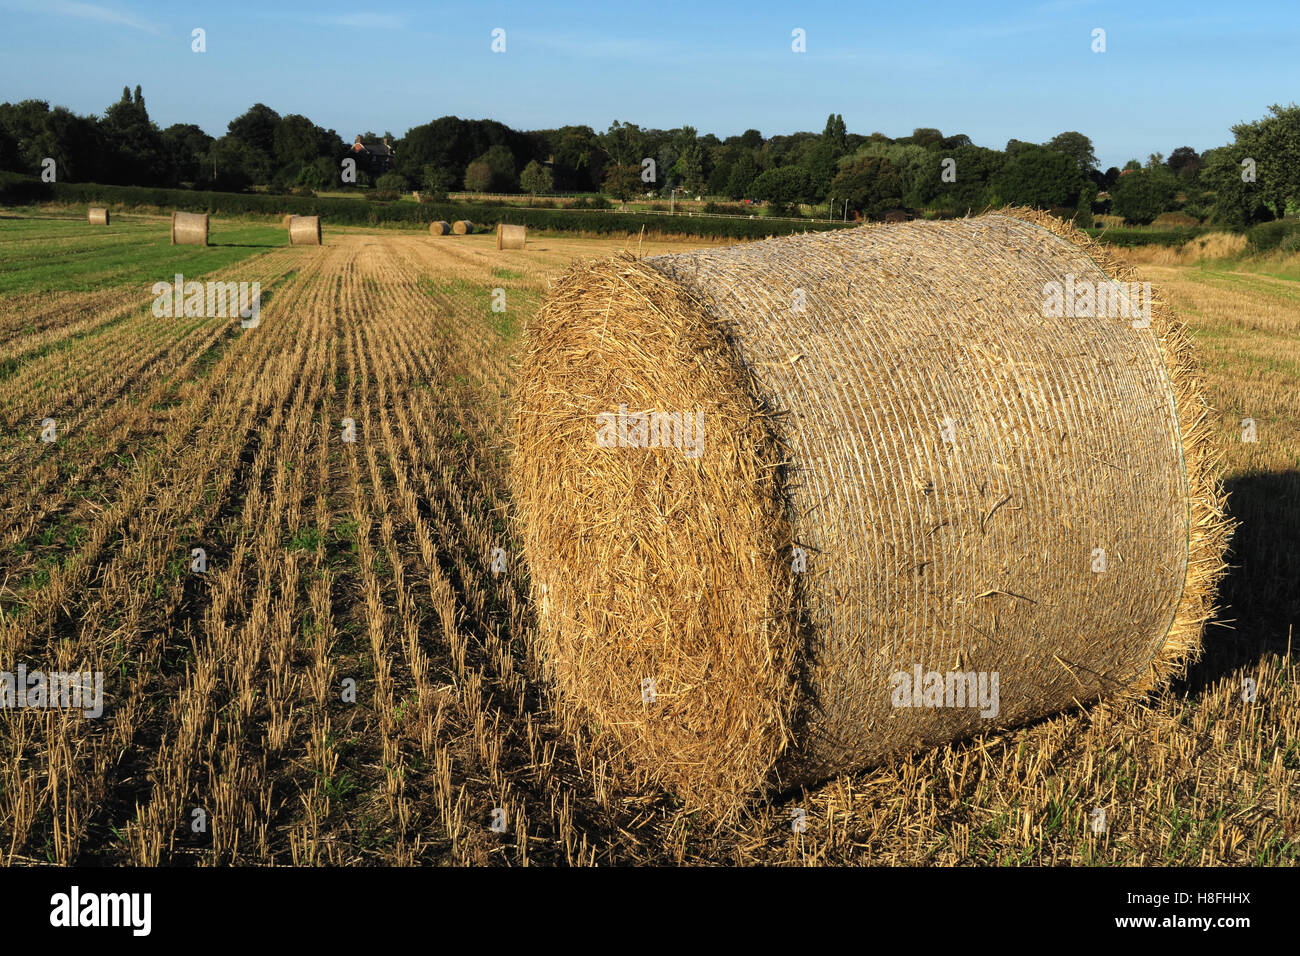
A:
[185, 146]
[835, 135]
[134, 145]
[316, 175]
[501, 162]
[1184, 162]
[927, 137]
[392, 182]
[536, 178]
[579, 160]
[783, 185]
[435, 182]
[1273, 143]
[1237, 203]
[821, 161]
[625, 144]
[1142, 194]
[690, 168]
[721, 161]
[478, 177]
[9, 159]
[255, 128]
[1078, 147]
[918, 169]
[870, 184]
[30, 131]
[623, 181]
[233, 165]
[1083, 212]
[1040, 177]
[976, 170]
[743, 174]
[297, 140]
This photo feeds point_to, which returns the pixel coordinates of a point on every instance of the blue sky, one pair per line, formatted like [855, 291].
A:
[1173, 74]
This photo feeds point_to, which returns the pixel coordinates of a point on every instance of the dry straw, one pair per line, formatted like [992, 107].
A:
[304, 231]
[510, 237]
[189, 229]
[974, 486]
[439, 227]
[97, 216]
[288, 218]
[462, 227]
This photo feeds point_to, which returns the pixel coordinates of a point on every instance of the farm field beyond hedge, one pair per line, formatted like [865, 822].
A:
[352, 680]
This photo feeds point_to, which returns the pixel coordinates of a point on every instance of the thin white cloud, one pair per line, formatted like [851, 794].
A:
[87, 11]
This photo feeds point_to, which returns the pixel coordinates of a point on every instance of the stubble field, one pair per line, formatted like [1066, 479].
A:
[353, 679]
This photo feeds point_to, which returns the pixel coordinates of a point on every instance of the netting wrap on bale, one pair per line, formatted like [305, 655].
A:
[439, 227]
[97, 216]
[462, 227]
[189, 229]
[510, 237]
[793, 506]
[304, 231]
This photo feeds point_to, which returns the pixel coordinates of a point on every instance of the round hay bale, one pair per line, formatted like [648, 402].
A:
[439, 227]
[97, 216]
[189, 229]
[288, 218]
[304, 231]
[510, 237]
[462, 227]
[790, 507]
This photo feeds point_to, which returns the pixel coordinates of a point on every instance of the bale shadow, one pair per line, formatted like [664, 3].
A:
[1259, 595]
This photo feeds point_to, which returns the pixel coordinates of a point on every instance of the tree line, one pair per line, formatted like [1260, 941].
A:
[1255, 178]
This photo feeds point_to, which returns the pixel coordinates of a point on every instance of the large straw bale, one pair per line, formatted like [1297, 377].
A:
[510, 237]
[189, 229]
[462, 227]
[304, 231]
[97, 216]
[439, 227]
[893, 401]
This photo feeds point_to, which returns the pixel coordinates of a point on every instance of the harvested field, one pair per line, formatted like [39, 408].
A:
[375, 561]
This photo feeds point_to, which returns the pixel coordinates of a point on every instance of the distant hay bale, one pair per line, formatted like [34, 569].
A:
[304, 231]
[288, 218]
[97, 216]
[189, 229]
[793, 506]
[510, 237]
[439, 227]
[462, 227]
